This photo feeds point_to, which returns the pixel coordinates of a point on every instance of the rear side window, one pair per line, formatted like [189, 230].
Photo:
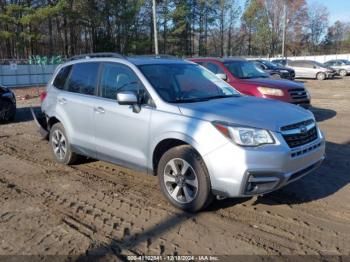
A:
[61, 77]
[83, 78]
[298, 64]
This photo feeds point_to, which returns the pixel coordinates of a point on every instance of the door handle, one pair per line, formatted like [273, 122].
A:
[62, 101]
[99, 110]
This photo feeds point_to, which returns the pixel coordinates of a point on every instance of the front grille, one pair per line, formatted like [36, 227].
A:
[305, 150]
[298, 93]
[299, 139]
[297, 125]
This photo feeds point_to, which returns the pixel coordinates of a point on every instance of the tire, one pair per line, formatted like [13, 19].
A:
[276, 76]
[7, 111]
[60, 147]
[189, 188]
[343, 73]
[321, 76]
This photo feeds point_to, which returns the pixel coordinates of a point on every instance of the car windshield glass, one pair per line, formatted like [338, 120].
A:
[245, 70]
[346, 62]
[181, 83]
[268, 64]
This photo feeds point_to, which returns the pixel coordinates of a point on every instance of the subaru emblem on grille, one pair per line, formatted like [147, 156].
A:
[303, 129]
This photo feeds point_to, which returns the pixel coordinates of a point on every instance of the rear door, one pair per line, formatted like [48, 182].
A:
[75, 106]
[122, 136]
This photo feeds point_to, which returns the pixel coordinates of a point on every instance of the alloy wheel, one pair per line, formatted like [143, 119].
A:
[180, 180]
[59, 144]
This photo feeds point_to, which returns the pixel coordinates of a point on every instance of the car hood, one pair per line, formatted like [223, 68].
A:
[267, 82]
[285, 68]
[247, 111]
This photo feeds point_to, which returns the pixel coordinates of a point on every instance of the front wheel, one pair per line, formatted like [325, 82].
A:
[321, 76]
[342, 73]
[184, 179]
[276, 76]
[60, 146]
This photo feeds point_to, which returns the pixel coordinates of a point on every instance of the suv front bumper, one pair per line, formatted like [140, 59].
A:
[245, 171]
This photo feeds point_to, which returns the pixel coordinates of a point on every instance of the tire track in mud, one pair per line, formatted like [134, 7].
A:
[98, 209]
[266, 230]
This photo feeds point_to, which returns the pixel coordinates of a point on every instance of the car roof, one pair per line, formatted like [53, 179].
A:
[136, 60]
[218, 59]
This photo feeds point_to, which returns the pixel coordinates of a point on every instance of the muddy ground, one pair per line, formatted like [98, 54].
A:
[97, 208]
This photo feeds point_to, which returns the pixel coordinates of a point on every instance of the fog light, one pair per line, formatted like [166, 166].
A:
[259, 184]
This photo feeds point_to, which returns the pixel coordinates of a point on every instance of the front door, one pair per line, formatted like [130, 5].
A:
[122, 136]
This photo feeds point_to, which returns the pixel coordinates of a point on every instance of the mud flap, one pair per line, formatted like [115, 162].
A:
[40, 121]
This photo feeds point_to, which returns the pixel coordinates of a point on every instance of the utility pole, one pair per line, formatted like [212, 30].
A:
[155, 27]
[284, 28]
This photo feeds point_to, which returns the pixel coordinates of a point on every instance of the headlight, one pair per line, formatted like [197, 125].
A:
[245, 136]
[270, 91]
[284, 71]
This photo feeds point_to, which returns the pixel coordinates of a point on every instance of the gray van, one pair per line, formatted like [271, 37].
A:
[311, 69]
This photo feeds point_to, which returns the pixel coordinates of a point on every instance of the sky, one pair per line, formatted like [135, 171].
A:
[338, 9]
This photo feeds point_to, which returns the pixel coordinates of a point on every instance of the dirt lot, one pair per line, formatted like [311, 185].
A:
[98, 208]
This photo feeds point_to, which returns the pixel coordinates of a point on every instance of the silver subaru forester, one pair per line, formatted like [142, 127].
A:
[175, 119]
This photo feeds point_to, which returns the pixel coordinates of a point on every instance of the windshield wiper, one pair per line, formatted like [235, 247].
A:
[202, 99]
[191, 100]
[221, 96]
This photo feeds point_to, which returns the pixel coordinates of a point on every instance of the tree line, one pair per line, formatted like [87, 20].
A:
[185, 28]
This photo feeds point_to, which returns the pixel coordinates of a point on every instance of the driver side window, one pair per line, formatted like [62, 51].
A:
[116, 78]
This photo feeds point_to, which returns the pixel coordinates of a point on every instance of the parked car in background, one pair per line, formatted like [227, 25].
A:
[248, 79]
[7, 105]
[281, 62]
[276, 71]
[156, 115]
[342, 66]
[311, 69]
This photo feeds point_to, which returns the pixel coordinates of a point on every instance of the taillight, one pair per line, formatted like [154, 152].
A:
[43, 96]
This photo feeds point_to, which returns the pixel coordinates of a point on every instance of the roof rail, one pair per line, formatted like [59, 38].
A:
[96, 55]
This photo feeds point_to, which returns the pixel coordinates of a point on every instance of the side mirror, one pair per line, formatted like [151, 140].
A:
[222, 76]
[129, 98]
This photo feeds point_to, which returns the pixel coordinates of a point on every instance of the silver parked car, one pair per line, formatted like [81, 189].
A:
[311, 69]
[177, 120]
[342, 66]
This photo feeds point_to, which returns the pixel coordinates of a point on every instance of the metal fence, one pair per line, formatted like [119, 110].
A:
[318, 58]
[19, 74]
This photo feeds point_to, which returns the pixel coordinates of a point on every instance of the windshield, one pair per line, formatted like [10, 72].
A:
[245, 70]
[181, 83]
[268, 64]
[346, 62]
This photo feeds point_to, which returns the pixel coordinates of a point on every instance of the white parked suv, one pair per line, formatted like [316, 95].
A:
[177, 120]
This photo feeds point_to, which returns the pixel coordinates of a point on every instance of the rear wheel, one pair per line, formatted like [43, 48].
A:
[321, 76]
[7, 111]
[184, 179]
[60, 147]
[342, 73]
